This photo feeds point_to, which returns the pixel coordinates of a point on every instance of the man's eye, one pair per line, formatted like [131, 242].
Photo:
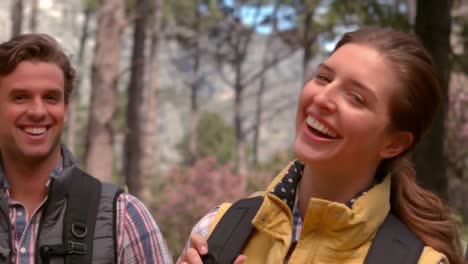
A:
[53, 98]
[19, 98]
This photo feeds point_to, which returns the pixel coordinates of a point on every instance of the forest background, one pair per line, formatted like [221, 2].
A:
[190, 103]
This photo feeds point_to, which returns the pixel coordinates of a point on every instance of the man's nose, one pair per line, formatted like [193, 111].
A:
[37, 109]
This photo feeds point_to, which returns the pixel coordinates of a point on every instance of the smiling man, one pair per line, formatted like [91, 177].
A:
[52, 212]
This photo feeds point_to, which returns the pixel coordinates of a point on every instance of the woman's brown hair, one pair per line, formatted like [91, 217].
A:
[412, 108]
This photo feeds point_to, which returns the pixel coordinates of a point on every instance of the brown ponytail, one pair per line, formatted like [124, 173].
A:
[424, 212]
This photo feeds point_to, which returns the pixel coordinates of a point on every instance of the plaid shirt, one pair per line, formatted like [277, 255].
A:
[139, 239]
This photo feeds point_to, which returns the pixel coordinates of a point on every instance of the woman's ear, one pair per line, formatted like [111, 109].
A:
[398, 142]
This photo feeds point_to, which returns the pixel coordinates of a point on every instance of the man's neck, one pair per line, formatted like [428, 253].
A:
[27, 178]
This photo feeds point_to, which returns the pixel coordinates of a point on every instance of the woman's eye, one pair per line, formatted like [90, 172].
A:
[322, 78]
[357, 98]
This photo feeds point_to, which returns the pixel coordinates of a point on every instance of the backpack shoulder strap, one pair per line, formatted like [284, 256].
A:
[114, 220]
[232, 232]
[394, 243]
[80, 217]
[79, 222]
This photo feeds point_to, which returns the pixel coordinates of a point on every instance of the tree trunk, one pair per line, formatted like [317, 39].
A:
[307, 41]
[434, 33]
[262, 86]
[241, 159]
[16, 17]
[258, 120]
[150, 132]
[241, 42]
[133, 146]
[194, 114]
[105, 68]
[73, 111]
[33, 19]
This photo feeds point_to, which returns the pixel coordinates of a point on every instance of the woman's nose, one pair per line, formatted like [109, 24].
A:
[325, 99]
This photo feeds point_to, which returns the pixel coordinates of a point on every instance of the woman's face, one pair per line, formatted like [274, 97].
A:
[343, 113]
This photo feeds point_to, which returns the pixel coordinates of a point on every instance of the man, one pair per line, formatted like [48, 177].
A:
[43, 195]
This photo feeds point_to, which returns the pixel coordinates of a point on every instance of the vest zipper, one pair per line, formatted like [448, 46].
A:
[39, 230]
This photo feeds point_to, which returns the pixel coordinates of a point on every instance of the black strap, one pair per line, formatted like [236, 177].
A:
[232, 232]
[394, 243]
[84, 193]
[114, 221]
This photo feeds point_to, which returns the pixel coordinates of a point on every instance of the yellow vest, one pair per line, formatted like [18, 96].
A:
[331, 232]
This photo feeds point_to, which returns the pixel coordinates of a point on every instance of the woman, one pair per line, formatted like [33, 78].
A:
[366, 108]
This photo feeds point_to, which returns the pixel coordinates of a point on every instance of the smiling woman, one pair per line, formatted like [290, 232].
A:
[366, 108]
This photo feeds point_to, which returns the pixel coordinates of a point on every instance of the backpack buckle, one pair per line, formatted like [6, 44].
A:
[76, 248]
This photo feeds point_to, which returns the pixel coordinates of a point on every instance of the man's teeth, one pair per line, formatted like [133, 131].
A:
[319, 126]
[35, 130]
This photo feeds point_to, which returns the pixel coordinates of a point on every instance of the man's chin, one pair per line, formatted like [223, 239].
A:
[37, 154]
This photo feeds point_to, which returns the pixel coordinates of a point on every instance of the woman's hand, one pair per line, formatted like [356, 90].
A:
[199, 247]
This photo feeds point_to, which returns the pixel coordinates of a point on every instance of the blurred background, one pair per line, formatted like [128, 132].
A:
[189, 103]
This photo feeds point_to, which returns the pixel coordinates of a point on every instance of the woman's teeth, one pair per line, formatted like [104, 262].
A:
[319, 127]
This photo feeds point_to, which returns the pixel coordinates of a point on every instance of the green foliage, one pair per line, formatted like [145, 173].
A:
[182, 12]
[91, 4]
[215, 138]
[277, 162]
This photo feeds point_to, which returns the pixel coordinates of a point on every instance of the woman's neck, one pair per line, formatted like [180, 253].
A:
[333, 185]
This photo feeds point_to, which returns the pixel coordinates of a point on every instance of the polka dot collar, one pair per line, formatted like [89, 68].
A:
[286, 188]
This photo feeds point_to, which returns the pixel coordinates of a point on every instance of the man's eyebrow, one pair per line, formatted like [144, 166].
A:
[19, 90]
[49, 91]
[25, 90]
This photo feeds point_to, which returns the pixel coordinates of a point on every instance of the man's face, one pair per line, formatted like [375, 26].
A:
[32, 111]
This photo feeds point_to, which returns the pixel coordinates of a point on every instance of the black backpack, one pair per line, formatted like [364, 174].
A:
[393, 243]
[79, 220]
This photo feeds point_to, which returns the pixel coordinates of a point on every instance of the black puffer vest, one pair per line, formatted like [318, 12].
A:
[52, 221]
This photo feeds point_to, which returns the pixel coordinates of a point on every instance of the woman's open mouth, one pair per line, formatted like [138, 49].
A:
[319, 129]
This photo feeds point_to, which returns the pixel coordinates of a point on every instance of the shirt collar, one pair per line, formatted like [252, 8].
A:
[286, 189]
[55, 172]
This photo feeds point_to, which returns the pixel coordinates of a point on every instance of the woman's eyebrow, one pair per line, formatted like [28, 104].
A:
[364, 88]
[325, 66]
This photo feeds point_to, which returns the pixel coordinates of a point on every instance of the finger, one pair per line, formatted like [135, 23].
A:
[199, 243]
[240, 259]
[192, 257]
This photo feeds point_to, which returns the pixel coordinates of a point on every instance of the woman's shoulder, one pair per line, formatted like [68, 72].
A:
[204, 226]
[430, 255]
